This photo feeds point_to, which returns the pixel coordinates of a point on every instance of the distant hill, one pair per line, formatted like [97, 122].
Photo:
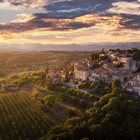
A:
[34, 47]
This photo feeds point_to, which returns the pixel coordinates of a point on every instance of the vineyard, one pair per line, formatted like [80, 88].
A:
[20, 118]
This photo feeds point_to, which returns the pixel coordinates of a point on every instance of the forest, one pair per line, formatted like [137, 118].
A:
[114, 116]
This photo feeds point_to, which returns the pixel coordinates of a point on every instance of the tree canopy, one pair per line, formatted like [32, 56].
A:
[114, 116]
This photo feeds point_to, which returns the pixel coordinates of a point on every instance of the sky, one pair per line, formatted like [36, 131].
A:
[69, 21]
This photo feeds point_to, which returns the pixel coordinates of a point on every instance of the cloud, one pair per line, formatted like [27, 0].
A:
[36, 22]
[23, 18]
[132, 22]
[74, 8]
[32, 22]
[131, 8]
[28, 3]
[9, 12]
[72, 20]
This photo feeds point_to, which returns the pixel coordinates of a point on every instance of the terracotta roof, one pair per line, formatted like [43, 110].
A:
[136, 86]
[82, 68]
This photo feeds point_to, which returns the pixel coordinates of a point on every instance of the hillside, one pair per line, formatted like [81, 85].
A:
[34, 106]
[36, 47]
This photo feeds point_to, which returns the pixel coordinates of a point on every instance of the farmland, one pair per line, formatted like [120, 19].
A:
[25, 62]
[20, 119]
[33, 107]
[22, 115]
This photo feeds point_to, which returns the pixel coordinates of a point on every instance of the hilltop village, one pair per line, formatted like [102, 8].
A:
[105, 66]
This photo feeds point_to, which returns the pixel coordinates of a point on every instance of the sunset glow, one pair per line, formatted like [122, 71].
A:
[69, 21]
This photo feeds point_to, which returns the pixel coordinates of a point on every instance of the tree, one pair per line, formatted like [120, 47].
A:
[136, 55]
[85, 138]
[35, 93]
[55, 130]
[116, 91]
[72, 113]
[113, 102]
[83, 103]
[116, 84]
[72, 121]
[49, 100]
[94, 57]
[103, 100]
[46, 70]
[62, 97]
[118, 50]
[97, 131]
